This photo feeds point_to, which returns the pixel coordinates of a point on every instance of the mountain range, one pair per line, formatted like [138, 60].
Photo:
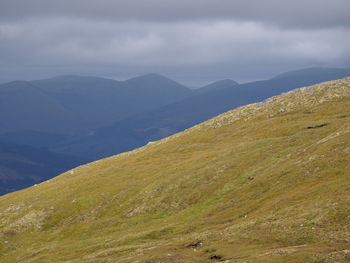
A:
[141, 128]
[90, 118]
[73, 104]
[265, 182]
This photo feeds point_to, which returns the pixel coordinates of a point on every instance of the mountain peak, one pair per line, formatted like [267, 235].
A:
[315, 71]
[150, 77]
[154, 80]
[221, 84]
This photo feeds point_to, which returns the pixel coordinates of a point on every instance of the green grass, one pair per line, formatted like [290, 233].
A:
[255, 184]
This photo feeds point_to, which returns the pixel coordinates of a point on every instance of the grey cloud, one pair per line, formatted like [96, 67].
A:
[178, 43]
[183, 39]
[295, 14]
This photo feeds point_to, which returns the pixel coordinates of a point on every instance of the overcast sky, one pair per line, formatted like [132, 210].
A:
[193, 41]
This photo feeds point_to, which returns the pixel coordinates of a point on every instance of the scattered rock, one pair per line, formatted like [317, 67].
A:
[72, 172]
[317, 126]
[195, 244]
[215, 257]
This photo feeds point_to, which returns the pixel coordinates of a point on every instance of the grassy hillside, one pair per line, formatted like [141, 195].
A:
[267, 182]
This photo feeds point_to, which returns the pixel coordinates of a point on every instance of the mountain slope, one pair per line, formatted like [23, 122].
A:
[267, 182]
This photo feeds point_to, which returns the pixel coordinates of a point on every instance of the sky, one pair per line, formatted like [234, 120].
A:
[192, 41]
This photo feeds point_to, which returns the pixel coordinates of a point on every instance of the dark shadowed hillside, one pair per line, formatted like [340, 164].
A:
[23, 166]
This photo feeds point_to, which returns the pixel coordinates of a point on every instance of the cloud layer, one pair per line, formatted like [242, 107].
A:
[177, 38]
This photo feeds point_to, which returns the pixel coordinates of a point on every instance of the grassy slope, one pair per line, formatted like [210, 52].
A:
[268, 182]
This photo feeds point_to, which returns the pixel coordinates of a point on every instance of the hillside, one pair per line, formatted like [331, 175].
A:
[267, 182]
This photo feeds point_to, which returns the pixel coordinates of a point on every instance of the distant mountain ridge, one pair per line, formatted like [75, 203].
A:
[99, 101]
[139, 129]
[221, 84]
[78, 104]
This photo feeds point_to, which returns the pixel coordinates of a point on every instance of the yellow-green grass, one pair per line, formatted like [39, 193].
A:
[267, 182]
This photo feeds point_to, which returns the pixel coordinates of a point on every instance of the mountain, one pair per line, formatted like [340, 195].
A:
[74, 115]
[23, 166]
[99, 101]
[138, 130]
[225, 83]
[266, 182]
[24, 106]
[54, 113]
[323, 74]
[77, 104]
[158, 83]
